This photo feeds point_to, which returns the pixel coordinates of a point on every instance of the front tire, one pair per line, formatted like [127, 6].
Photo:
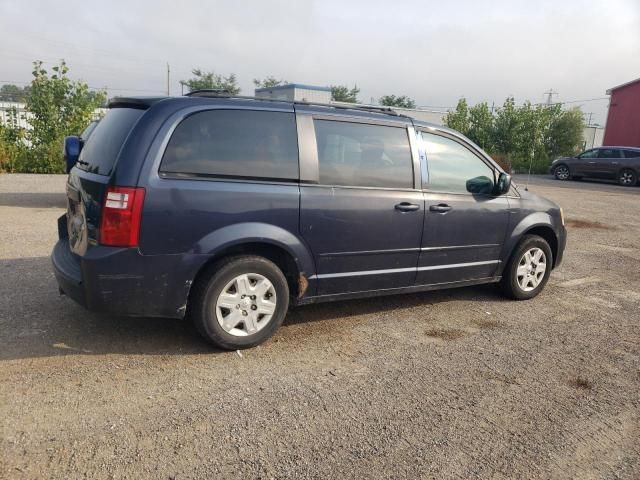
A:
[528, 269]
[239, 302]
[627, 178]
[561, 172]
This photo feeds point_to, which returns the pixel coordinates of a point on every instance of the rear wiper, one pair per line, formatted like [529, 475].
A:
[81, 162]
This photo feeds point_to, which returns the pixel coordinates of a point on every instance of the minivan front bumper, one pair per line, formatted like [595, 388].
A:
[562, 244]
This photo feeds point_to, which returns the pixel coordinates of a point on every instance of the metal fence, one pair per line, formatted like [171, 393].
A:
[23, 116]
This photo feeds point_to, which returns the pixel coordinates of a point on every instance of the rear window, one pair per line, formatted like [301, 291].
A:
[100, 152]
[234, 143]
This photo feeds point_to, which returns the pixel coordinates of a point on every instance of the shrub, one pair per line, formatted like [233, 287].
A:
[528, 136]
[56, 107]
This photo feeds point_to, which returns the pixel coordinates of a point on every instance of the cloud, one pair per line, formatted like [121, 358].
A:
[431, 51]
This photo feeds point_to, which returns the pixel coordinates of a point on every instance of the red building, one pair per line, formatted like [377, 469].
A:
[623, 120]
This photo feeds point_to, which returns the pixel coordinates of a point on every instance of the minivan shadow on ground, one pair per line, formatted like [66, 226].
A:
[35, 321]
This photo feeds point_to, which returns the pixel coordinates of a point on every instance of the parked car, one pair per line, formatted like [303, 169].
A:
[230, 210]
[612, 163]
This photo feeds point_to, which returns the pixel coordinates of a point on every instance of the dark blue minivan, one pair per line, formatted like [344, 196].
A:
[231, 209]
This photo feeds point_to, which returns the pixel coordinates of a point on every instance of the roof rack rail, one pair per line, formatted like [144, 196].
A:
[209, 92]
[224, 93]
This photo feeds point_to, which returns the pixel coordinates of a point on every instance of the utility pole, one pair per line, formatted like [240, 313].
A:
[168, 76]
[590, 114]
[549, 95]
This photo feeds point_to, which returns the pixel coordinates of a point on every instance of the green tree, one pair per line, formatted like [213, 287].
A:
[459, 118]
[13, 93]
[269, 82]
[12, 142]
[400, 101]
[210, 80]
[342, 93]
[504, 126]
[56, 106]
[566, 134]
[481, 126]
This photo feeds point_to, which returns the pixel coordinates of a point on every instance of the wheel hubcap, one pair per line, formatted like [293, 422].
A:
[562, 173]
[531, 269]
[246, 304]
[626, 178]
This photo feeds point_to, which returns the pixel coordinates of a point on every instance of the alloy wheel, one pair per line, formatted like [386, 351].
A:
[627, 178]
[562, 173]
[531, 269]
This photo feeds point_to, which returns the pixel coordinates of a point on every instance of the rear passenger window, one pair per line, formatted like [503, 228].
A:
[234, 143]
[609, 153]
[631, 153]
[357, 154]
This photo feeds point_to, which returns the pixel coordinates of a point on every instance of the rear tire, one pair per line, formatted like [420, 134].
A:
[627, 178]
[561, 172]
[528, 269]
[239, 302]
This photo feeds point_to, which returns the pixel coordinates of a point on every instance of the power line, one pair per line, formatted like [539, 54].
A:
[119, 89]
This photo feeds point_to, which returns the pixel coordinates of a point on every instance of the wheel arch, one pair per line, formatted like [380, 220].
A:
[547, 233]
[269, 241]
[540, 224]
[282, 258]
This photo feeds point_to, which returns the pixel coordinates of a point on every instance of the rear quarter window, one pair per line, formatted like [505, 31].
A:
[234, 143]
[101, 150]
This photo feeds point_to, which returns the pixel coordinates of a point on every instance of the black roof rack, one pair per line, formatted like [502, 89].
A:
[209, 92]
[224, 93]
[133, 102]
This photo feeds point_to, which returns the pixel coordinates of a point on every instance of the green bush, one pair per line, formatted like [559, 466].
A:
[528, 136]
[56, 107]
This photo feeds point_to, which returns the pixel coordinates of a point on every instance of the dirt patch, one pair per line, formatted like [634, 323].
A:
[544, 388]
[575, 223]
[581, 383]
[447, 334]
[486, 323]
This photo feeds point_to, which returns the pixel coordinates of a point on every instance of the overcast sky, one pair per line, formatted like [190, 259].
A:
[434, 52]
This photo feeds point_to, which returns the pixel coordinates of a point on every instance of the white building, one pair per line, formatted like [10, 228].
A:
[296, 92]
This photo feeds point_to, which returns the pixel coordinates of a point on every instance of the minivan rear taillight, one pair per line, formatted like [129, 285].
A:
[121, 217]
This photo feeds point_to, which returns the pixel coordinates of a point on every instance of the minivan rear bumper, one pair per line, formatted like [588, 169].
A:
[67, 272]
[154, 286]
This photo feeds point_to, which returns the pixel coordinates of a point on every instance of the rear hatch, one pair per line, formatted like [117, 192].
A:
[89, 179]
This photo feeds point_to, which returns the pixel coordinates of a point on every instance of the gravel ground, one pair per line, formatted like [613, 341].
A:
[452, 384]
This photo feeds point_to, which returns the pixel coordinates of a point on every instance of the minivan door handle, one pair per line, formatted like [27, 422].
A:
[407, 207]
[440, 208]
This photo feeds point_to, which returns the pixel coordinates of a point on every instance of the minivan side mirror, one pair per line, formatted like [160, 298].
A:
[481, 185]
[72, 147]
[504, 184]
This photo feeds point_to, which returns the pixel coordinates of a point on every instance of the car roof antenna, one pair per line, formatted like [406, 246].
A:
[533, 154]
[526, 187]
